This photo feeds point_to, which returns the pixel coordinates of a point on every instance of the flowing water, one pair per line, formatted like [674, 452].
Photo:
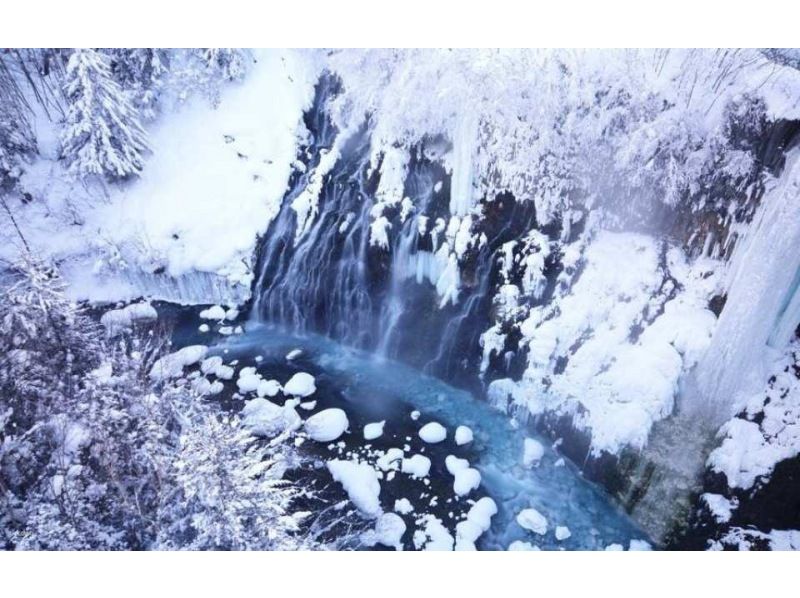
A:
[371, 388]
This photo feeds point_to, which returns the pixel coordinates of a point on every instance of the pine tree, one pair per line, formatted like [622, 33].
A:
[102, 133]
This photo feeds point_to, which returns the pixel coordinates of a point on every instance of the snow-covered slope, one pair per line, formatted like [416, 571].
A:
[186, 229]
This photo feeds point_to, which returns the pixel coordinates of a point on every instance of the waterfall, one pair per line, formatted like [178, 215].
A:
[762, 310]
[421, 291]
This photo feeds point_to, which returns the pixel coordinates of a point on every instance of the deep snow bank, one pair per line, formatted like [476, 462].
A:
[186, 229]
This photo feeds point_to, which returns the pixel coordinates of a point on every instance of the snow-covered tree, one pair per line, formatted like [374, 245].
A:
[231, 494]
[102, 134]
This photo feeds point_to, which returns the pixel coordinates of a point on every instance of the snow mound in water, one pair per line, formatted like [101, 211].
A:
[171, 366]
[403, 506]
[268, 388]
[433, 432]
[478, 521]
[417, 466]
[532, 520]
[432, 535]
[267, 419]
[463, 435]
[294, 354]
[360, 481]
[562, 532]
[327, 425]
[300, 385]
[248, 380]
[215, 312]
[389, 530]
[532, 452]
[374, 430]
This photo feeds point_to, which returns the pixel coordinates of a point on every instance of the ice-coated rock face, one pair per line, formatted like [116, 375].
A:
[327, 425]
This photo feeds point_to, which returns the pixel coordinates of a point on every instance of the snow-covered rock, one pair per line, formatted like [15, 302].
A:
[267, 419]
[463, 435]
[215, 312]
[432, 535]
[268, 388]
[417, 466]
[532, 520]
[293, 354]
[374, 430]
[532, 453]
[721, 508]
[327, 425]
[562, 532]
[391, 459]
[403, 506]
[478, 521]
[433, 432]
[300, 385]
[172, 365]
[248, 380]
[360, 481]
[388, 531]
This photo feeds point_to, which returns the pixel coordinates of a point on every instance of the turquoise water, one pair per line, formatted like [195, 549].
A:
[372, 389]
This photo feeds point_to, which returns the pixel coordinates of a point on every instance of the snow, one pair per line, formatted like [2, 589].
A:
[360, 481]
[327, 425]
[433, 432]
[613, 385]
[300, 385]
[293, 354]
[721, 508]
[463, 435]
[533, 452]
[403, 506]
[749, 450]
[519, 545]
[264, 418]
[388, 531]
[172, 365]
[478, 521]
[374, 430]
[268, 388]
[466, 480]
[639, 545]
[116, 321]
[391, 459]
[415, 415]
[248, 380]
[432, 535]
[200, 202]
[417, 466]
[215, 312]
[762, 310]
[562, 533]
[532, 520]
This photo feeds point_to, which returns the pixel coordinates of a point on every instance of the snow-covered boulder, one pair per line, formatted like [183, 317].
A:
[300, 385]
[248, 380]
[172, 365]
[403, 506]
[562, 532]
[417, 466]
[360, 481]
[388, 531]
[215, 312]
[327, 425]
[463, 435]
[374, 430]
[478, 521]
[518, 545]
[433, 432]
[268, 388]
[532, 453]
[294, 354]
[267, 419]
[532, 520]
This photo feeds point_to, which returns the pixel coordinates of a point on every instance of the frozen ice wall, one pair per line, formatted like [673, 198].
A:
[763, 304]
